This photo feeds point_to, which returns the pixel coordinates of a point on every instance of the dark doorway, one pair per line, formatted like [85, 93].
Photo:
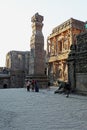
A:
[5, 86]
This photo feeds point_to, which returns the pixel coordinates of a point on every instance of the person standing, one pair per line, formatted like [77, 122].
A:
[68, 89]
[33, 85]
[28, 85]
[36, 87]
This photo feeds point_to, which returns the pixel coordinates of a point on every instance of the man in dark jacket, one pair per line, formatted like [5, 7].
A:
[63, 87]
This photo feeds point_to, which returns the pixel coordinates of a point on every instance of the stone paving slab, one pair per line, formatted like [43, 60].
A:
[22, 110]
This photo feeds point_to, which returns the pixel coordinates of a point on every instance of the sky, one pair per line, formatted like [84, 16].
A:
[15, 21]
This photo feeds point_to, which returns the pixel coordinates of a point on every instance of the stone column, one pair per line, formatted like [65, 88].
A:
[37, 53]
[37, 46]
[72, 68]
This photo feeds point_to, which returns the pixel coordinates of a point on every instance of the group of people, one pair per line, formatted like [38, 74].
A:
[33, 85]
[63, 87]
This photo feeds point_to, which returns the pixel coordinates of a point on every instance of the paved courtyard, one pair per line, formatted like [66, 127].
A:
[22, 110]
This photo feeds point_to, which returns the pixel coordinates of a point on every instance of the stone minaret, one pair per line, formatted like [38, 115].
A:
[37, 65]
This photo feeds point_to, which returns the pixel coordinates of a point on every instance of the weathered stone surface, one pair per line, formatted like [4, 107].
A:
[37, 53]
[58, 48]
[37, 62]
[79, 57]
[4, 77]
[18, 64]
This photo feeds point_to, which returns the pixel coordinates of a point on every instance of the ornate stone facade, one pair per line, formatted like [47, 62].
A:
[58, 48]
[77, 64]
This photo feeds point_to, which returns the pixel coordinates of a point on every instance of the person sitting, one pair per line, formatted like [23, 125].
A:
[63, 87]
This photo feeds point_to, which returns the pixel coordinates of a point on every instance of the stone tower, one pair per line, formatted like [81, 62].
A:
[37, 52]
[37, 65]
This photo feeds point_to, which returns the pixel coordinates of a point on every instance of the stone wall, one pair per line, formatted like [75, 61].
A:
[81, 62]
[77, 64]
[4, 78]
[18, 64]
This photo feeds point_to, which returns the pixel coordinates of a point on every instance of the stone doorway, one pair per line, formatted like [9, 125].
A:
[5, 85]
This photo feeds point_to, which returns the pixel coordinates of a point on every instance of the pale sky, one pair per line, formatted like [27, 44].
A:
[15, 20]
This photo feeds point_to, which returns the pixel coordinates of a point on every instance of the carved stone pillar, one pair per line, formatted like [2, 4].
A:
[72, 68]
[37, 53]
[37, 46]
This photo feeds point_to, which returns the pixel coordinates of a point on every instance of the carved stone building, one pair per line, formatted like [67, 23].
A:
[77, 64]
[17, 62]
[58, 48]
[66, 57]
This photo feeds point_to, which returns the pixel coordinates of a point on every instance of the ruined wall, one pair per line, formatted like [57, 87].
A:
[18, 64]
